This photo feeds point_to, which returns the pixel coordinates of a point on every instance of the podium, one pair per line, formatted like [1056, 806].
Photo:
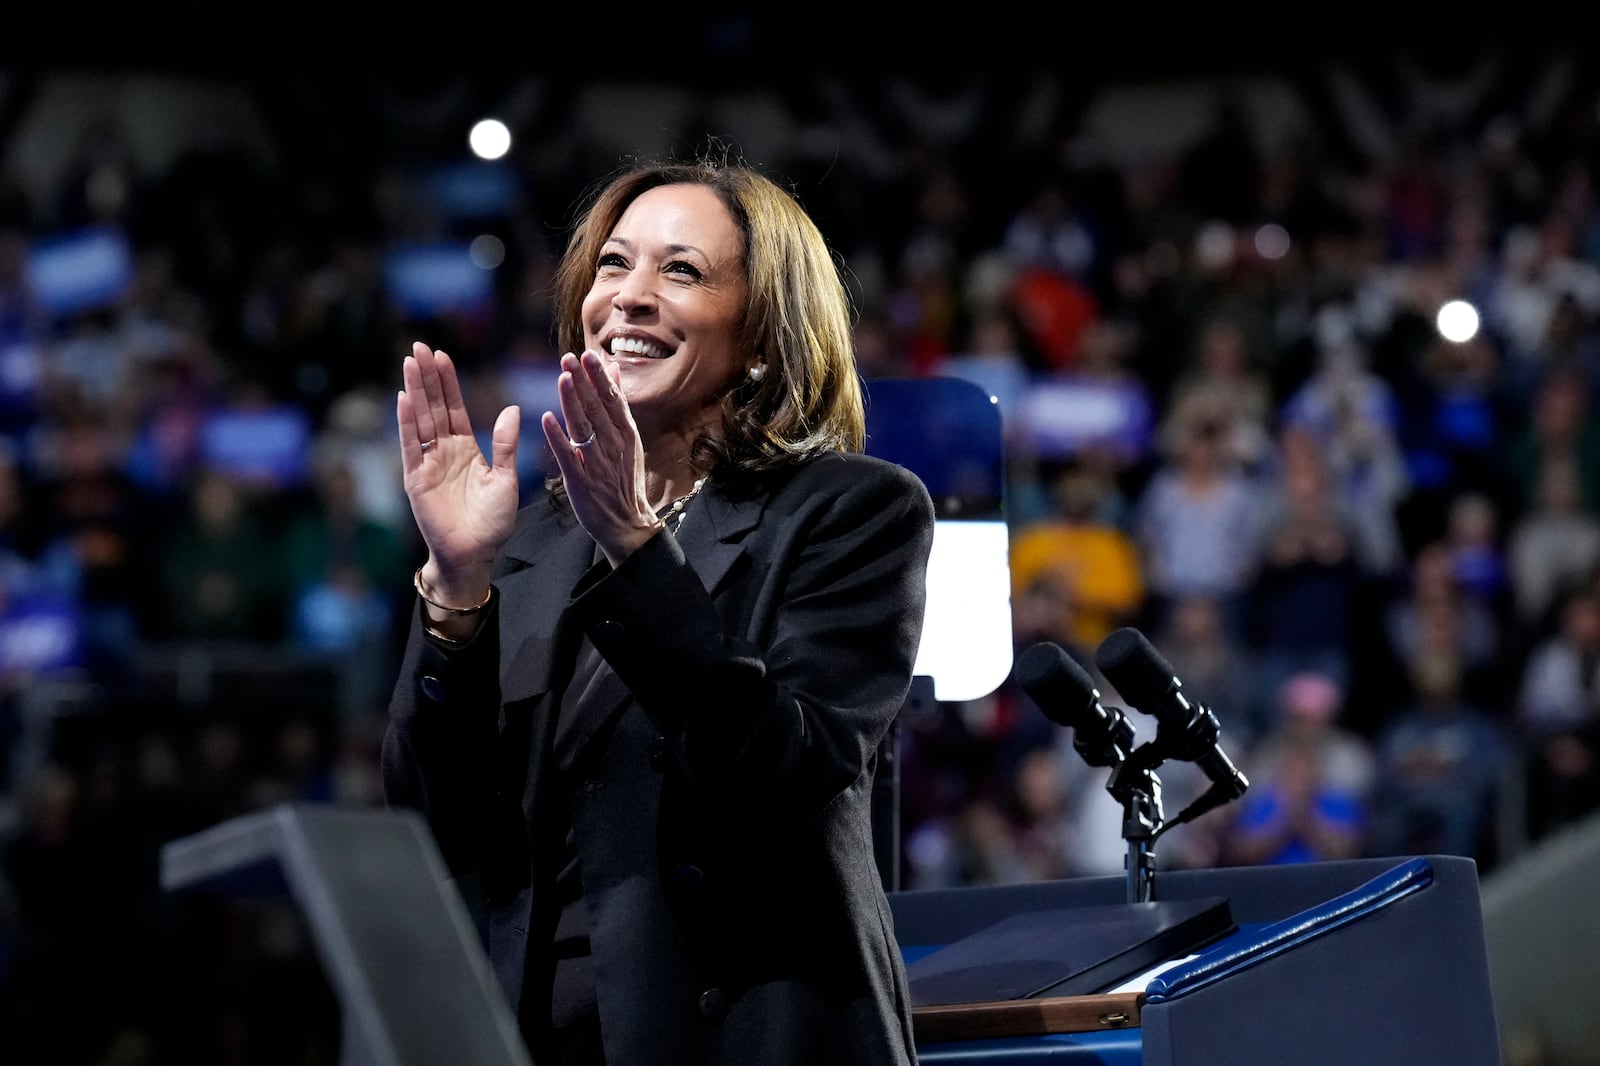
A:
[1380, 962]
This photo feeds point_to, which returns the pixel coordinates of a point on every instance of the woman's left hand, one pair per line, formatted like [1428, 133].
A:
[600, 456]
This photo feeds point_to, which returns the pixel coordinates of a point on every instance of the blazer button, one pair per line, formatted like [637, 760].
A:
[688, 876]
[713, 1004]
[657, 753]
[608, 631]
[433, 688]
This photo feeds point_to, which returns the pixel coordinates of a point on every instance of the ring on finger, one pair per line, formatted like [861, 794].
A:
[425, 445]
[584, 443]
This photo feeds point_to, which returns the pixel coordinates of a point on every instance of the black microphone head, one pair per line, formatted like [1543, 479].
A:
[1066, 694]
[1141, 676]
[1187, 731]
[1055, 680]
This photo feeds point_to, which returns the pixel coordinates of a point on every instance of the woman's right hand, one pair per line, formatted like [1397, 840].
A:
[464, 506]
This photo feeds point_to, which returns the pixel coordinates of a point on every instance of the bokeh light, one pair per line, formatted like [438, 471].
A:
[1457, 321]
[1272, 241]
[487, 251]
[490, 139]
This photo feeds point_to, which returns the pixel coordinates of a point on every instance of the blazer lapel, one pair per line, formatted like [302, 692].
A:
[711, 536]
[713, 532]
[543, 562]
[582, 720]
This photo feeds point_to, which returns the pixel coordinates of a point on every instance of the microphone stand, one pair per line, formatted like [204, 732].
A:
[1134, 784]
[1105, 740]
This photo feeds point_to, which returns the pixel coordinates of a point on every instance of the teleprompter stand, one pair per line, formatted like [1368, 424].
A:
[392, 932]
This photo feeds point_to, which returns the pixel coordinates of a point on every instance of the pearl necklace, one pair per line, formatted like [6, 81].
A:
[674, 510]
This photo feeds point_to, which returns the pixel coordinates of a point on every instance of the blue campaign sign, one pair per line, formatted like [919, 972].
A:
[947, 431]
[436, 278]
[85, 270]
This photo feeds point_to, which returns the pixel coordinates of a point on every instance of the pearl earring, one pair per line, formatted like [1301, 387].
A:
[758, 372]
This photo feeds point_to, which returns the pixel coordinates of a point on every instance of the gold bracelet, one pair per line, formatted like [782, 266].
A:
[416, 582]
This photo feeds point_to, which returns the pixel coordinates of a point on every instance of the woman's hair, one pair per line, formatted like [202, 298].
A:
[797, 321]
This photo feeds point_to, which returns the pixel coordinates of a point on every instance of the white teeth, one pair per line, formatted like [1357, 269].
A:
[636, 346]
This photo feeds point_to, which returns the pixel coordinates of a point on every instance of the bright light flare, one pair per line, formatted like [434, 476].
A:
[1457, 321]
[490, 139]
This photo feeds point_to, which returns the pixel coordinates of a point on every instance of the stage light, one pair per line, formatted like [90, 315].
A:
[489, 139]
[1457, 321]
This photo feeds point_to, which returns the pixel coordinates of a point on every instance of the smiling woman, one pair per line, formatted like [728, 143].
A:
[645, 709]
[668, 311]
[794, 313]
[661, 318]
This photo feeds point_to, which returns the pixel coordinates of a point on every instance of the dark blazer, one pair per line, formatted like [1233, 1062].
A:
[719, 781]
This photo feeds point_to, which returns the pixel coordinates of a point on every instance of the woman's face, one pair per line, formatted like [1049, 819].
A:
[667, 301]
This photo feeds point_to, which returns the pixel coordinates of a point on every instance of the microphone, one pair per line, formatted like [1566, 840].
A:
[1185, 731]
[1067, 696]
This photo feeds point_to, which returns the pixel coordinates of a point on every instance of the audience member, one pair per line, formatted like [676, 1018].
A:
[1558, 714]
[1040, 817]
[1540, 269]
[1223, 383]
[340, 569]
[1307, 594]
[1558, 429]
[91, 511]
[1311, 783]
[1435, 614]
[1051, 231]
[972, 844]
[1343, 403]
[219, 577]
[1197, 526]
[1371, 481]
[1442, 763]
[1079, 559]
[1098, 407]
[1455, 423]
[1477, 555]
[1551, 546]
[1218, 668]
[992, 358]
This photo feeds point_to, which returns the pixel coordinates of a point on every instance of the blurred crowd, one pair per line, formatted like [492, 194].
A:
[1230, 421]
